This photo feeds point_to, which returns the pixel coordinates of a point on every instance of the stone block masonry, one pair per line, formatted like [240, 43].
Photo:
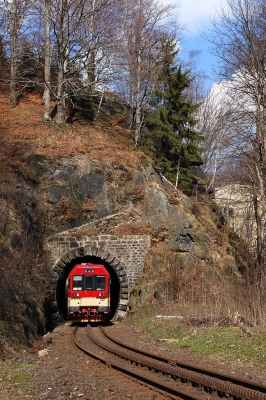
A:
[130, 250]
[125, 254]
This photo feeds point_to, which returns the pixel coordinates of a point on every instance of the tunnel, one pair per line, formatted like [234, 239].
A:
[118, 289]
[122, 256]
[61, 283]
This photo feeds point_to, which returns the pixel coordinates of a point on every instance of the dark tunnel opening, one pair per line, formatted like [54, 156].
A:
[61, 284]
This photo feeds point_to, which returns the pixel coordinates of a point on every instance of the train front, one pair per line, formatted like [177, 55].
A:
[88, 293]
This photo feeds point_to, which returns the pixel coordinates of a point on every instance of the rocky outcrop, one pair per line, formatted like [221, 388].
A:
[86, 198]
[93, 197]
[90, 180]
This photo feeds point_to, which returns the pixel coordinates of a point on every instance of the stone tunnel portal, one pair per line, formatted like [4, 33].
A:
[123, 256]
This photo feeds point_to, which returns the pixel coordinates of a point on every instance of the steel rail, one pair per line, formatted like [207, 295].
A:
[197, 379]
[247, 384]
[178, 391]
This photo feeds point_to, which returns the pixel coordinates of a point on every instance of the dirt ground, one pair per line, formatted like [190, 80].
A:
[66, 373]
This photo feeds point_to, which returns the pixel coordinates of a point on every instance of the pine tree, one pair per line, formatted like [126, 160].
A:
[172, 137]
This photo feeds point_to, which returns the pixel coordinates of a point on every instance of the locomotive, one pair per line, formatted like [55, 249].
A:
[88, 293]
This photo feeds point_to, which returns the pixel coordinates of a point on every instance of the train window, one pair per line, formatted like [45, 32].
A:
[100, 282]
[88, 282]
[77, 282]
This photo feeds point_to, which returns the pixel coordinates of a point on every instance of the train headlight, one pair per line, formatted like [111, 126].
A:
[75, 294]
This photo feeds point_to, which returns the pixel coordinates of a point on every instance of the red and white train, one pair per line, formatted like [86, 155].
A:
[88, 293]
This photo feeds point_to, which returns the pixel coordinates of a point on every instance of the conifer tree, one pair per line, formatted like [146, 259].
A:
[171, 123]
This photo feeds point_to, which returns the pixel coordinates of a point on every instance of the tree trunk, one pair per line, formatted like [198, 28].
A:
[92, 56]
[138, 102]
[62, 59]
[132, 101]
[47, 72]
[13, 53]
[61, 111]
[259, 189]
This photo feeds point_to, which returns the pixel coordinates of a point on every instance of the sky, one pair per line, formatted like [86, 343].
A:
[195, 15]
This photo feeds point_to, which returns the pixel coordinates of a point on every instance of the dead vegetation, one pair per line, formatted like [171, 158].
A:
[24, 224]
[202, 290]
[22, 131]
[23, 282]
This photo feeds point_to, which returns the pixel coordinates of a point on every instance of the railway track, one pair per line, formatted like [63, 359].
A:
[178, 380]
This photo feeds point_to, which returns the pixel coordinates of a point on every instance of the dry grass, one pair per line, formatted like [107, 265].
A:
[22, 130]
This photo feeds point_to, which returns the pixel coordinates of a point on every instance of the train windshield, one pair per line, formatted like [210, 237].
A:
[88, 282]
[93, 282]
[100, 282]
[77, 282]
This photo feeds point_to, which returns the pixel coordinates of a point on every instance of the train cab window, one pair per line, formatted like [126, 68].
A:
[77, 282]
[88, 282]
[100, 282]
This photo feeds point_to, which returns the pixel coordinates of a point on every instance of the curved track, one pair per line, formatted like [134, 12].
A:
[176, 379]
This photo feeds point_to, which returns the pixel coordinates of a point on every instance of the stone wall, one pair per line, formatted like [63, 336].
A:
[125, 254]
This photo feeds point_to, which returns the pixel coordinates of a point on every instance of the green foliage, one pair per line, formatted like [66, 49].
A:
[83, 105]
[28, 65]
[171, 135]
[228, 343]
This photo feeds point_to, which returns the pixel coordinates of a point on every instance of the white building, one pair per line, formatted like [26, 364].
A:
[236, 205]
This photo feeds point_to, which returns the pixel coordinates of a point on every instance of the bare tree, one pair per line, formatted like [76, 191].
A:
[138, 54]
[222, 125]
[15, 12]
[67, 29]
[77, 30]
[103, 28]
[239, 39]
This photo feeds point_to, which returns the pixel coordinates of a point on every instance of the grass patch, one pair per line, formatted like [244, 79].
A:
[16, 381]
[229, 344]
[224, 344]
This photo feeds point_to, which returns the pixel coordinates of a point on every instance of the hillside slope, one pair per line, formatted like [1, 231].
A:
[53, 180]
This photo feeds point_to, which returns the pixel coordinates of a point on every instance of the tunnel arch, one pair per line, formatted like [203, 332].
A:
[116, 268]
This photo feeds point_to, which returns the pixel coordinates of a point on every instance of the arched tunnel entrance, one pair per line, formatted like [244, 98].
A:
[119, 290]
[61, 284]
[123, 257]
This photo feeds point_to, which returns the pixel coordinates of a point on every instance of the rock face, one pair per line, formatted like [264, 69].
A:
[92, 181]
[85, 197]
[94, 197]
[88, 197]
